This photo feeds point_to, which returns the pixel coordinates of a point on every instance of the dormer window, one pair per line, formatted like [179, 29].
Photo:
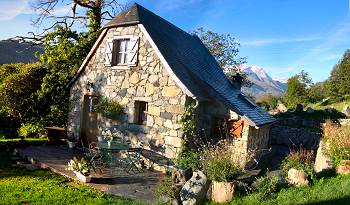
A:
[121, 51]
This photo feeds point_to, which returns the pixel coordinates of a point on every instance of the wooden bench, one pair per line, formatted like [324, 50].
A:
[55, 135]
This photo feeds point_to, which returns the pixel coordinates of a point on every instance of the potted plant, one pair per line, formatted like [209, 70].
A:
[115, 135]
[222, 169]
[71, 140]
[80, 168]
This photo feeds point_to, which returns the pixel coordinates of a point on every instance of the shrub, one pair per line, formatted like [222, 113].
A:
[219, 164]
[301, 160]
[81, 166]
[267, 185]
[165, 189]
[338, 141]
[108, 109]
[189, 159]
[31, 130]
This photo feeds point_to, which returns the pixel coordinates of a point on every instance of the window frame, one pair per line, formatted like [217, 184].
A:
[118, 53]
[138, 104]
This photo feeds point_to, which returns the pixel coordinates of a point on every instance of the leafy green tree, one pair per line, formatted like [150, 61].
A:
[64, 51]
[268, 101]
[338, 83]
[225, 49]
[296, 92]
[316, 92]
[18, 90]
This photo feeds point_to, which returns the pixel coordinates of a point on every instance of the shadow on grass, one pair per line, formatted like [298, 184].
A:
[341, 201]
[123, 180]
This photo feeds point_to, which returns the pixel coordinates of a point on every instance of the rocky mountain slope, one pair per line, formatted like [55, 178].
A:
[262, 82]
[16, 52]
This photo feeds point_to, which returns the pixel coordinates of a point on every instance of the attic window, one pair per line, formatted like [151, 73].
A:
[121, 51]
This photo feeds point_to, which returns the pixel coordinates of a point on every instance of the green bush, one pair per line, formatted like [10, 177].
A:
[219, 165]
[300, 160]
[338, 140]
[267, 185]
[165, 189]
[31, 130]
[189, 159]
[108, 109]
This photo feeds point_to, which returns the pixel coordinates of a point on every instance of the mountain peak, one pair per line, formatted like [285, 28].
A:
[262, 82]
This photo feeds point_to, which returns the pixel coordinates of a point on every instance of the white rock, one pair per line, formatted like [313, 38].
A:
[194, 191]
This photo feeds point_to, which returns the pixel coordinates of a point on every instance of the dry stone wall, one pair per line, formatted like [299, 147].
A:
[149, 81]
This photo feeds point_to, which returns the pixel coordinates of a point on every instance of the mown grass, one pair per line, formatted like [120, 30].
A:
[338, 105]
[333, 190]
[19, 186]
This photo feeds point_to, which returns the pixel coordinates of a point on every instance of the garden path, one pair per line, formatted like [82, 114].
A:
[138, 186]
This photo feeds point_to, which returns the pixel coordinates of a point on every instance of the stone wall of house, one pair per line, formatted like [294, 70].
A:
[259, 141]
[208, 113]
[148, 81]
[253, 144]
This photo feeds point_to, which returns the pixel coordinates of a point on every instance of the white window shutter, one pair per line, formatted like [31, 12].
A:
[133, 51]
[108, 52]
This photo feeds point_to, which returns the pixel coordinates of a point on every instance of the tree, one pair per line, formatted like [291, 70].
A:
[18, 90]
[338, 83]
[297, 89]
[316, 92]
[65, 49]
[225, 49]
[268, 101]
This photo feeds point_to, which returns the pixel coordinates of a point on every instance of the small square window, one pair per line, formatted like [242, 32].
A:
[141, 108]
[120, 52]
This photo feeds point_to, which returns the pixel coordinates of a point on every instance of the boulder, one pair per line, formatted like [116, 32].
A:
[346, 110]
[194, 191]
[281, 108]
[310, 110]
[323, 164]
[278, 175]
[297, 177]
[299, 108]
[344, 167]
[222, 191]
[331, 110]
[181, 176]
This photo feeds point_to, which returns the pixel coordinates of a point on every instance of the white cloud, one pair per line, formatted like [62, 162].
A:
[269, 41]
[329, 49]
[10, 9]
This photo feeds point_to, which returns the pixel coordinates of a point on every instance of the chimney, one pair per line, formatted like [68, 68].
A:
[237, 80]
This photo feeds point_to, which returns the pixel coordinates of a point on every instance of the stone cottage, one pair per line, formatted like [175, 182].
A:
[154, 69]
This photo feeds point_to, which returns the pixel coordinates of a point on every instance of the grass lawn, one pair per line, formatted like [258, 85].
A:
[18, 185]
[334, 190]
[338, 106]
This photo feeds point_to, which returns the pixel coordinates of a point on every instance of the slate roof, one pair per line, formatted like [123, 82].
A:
[192, 63]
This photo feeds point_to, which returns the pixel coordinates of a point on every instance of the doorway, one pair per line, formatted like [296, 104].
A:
[88, 124]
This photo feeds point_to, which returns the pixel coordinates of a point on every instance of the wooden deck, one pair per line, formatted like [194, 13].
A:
[138, 186]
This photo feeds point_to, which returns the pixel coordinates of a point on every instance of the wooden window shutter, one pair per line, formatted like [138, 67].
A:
[133, 51]
[108, 52]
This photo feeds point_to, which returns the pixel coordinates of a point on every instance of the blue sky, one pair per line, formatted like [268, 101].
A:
[282, 36]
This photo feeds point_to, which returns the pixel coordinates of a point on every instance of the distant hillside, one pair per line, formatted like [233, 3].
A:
[263, 83]
[15, 52]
